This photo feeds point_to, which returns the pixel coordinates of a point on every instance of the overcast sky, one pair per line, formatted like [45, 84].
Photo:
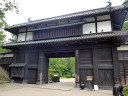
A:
[39, 9]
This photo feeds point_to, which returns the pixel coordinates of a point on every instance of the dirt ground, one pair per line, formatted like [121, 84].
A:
[64, 88]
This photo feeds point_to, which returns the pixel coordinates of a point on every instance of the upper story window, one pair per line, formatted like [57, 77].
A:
[21, 37]
[103, 24]
[22, 34]
[89, 28]
[29, 36]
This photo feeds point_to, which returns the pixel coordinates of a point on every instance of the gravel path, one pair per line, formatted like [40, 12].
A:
[64, 88]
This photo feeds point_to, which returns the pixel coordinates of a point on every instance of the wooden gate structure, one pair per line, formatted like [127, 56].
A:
[92, 37]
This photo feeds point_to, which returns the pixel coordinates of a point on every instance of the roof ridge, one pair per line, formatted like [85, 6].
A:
[75, 14]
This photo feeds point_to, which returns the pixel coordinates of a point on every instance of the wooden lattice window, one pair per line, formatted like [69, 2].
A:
[16, 72]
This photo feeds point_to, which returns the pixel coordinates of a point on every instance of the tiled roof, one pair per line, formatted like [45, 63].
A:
[83, 13]
[85, 37]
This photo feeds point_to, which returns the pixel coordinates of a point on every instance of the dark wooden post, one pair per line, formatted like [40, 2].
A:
[95, 67]
[77, 66]
[115, 65]
[42, 68]
[14, 58]
[25, 69]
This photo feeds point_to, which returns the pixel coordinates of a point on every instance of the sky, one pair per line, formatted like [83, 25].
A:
[39, 9]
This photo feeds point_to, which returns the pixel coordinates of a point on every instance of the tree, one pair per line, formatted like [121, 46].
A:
[63, 66]
[125, 2]
[5, 6]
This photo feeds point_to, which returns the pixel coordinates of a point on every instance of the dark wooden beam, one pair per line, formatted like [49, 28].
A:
[25, 69]
[115, 64]
[95, 66]
[43, 68]
[77, 66]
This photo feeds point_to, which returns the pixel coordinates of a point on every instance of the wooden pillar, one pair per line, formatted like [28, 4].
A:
[43, 68]
[25, 69]
[77, 66]
[115, 65]
[14, 58]
[95, 67]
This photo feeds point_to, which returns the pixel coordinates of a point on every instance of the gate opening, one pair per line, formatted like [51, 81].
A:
[61, 68]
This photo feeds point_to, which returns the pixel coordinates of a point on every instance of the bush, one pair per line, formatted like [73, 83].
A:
[125, 91]
[68, 76]
[73, 76]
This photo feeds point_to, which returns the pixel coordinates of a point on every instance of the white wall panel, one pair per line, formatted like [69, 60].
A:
[89, 28]
[29, 36]
[104, 26]
[104, 17]
[21, 37]
[123, 47]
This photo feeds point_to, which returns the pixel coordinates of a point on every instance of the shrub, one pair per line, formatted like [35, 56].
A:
[73, 76]
[68, 76]
[125, 91]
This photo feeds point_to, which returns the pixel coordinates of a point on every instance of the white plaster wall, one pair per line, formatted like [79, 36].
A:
[8, 55]
[21, 37]
[123, 47]
[29, 36]
[91, 19]
[89, 27]
[104, 26]
[104, 17]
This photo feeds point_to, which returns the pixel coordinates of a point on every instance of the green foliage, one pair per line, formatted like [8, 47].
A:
[5, 6]
[125, 2]
[2, 37]
[51, 72]
[125, 27]
[68, 76]
[63, 66]
[125, 91]
[13, 39]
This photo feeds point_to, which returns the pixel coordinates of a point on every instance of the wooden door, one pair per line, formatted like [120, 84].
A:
[83, 77]
[106, 78]
[32, 76]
